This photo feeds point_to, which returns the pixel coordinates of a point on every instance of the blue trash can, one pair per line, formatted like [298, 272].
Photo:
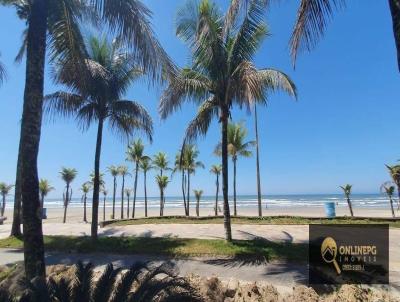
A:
[330, 210]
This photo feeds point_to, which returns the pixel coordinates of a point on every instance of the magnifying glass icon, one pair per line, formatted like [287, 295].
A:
[329, 252]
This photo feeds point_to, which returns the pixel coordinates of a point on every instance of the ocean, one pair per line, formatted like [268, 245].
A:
[243, 201]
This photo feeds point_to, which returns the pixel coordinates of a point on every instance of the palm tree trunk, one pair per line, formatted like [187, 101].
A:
[227, 215]
[122, 196]
[145, 193]
[234, 188]
[16, 224]
[135, 189]
[350, 206]
[258, 163]
[161, 202]
[198, 207]
[3, 207]
[104, 209]
[395, 12]
[96, 185]
[41, 204]
[66, 200]
[216, 196]
[30, 139]
[398, 200]
[188, 193]
[127, 214]
[183, 191]
[114, 189]
[84, 208]
[391, 206]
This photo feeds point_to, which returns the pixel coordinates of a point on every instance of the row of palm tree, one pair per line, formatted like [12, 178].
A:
[388, 187]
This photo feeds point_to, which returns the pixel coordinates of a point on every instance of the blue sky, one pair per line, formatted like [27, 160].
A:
[342, 129]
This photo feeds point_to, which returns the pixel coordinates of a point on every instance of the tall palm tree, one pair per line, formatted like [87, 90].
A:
[198, 194]
[190, 162]
[110, 71]
[160, 162]
[128, 193]
[145, 166]
[236, 147]
[180, 166]
[222, 73]
[114, 171]
[85, 188]
[162, 182]
[45, 188]
[394, 172]
[347, 192]
[67, 175]
[104, 192]
[135, 154]
[389, 189]
[216, 170]
[123, 171]
[54, 24]
[4, 191]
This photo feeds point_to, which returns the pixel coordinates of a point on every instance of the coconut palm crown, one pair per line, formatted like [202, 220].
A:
[98, 98]
[222, 73]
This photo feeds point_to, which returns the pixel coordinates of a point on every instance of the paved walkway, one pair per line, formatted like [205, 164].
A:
[273, 272]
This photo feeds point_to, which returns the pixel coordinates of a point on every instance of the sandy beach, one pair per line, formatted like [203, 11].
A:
[75, 214]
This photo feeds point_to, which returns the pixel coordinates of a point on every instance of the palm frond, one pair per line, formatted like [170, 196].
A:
[252, 32]
[200, 124]
[395, 12]
[22, 50]
[62, 104]
[311, 22]
[188, 85]
[130, 19]
[128, 116]
[66, 43]
[273, 79]
[3, 73]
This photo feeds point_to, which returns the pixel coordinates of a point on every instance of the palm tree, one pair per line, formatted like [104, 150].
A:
[395, 175]
[140, 283]
[236, 147]
[190, 162]
[105, 192]
[3, 73]
[85, 188]
[197, 194]
[145, 166]
[114, 171]
[222, 73]
[216, 169]
[123, 171]
[389, 189]
[4, 190]
[162, 182]
[128, 193]
[110, 72]
[67, 175]
[347, 192]
[45, 188]
[160, 162]
[180, 166]
[56, 24]
[135, 155]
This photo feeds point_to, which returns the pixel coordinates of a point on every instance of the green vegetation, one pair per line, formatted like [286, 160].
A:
[174, 247]
[257, 220]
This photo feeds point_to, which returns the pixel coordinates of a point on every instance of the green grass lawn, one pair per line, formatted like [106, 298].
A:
[174, 247]
[255, 220]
